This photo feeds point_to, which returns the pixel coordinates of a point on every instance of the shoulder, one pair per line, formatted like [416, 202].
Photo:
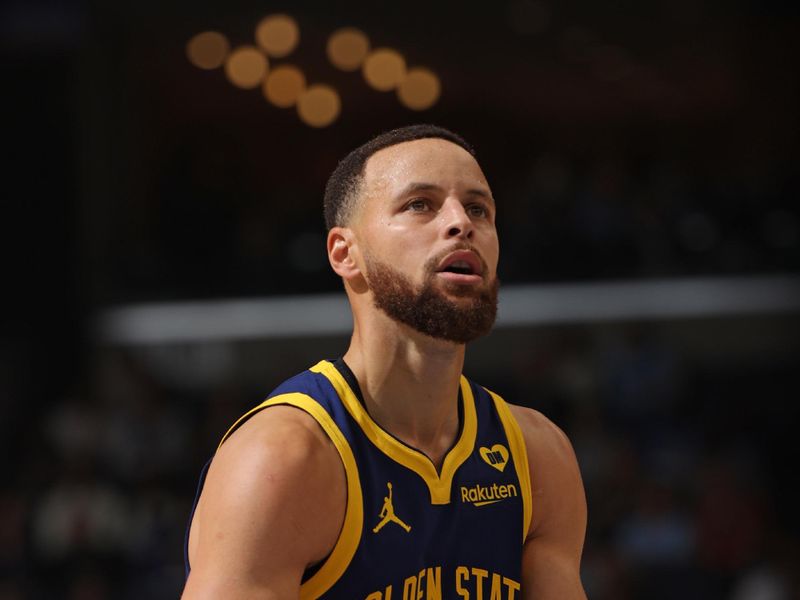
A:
[556, 485]
[284, 430]
[278, 454]
[274, 499]
[541, 433]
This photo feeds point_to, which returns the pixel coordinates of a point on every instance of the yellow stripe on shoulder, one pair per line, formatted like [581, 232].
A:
[345, 548]
[520, 453]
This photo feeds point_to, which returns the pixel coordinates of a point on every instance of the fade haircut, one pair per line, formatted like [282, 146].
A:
[343, 187]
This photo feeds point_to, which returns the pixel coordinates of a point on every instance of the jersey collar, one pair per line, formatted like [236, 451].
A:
[439, 484]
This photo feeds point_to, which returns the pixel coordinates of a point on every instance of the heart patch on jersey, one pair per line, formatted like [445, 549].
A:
[496, 456]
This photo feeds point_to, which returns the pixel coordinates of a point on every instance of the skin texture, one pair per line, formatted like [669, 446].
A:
[274, 500]
[552, 554]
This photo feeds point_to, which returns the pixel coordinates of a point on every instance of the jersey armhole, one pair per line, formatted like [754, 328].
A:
[520, 454]
[334, 566]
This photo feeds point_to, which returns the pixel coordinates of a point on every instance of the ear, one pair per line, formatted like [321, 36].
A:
[342, 252]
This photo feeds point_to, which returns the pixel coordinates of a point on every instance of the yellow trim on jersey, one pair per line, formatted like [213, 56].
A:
[349, 537]
[520, 453]
[438, 485]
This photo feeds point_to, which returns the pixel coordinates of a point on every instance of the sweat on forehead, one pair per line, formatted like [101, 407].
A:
[343, 186]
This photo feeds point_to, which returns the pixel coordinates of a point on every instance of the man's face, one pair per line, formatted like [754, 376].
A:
[425, 223]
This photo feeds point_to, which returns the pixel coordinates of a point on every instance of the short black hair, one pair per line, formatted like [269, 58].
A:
[342, 188]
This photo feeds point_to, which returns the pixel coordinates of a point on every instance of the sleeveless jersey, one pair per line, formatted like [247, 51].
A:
[409, 530]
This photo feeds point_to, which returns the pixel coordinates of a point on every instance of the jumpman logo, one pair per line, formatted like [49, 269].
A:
[387, 513]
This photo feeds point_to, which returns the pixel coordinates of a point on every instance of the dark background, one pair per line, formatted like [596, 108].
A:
[623, 141]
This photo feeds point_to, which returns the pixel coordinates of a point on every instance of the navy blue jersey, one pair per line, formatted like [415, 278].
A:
[409, 530]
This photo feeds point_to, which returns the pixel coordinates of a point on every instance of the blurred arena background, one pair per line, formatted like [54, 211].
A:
[165, 266]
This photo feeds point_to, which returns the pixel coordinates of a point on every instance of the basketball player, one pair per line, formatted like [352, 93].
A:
[386, 474]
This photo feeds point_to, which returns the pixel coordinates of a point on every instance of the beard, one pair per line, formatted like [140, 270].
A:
[427, 309]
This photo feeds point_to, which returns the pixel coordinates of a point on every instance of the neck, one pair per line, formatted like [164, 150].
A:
[410, 382]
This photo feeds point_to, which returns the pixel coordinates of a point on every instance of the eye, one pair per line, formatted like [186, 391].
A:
[477, 210]
[417, 205]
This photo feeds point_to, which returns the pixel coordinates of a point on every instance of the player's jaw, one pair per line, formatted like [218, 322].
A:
[438, 308]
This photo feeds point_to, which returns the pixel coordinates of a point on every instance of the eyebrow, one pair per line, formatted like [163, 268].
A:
[428, 187]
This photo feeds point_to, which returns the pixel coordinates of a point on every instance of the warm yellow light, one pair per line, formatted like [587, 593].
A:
[278, 35]
[283, 85]
[420, 89]
[319, 105]
[246, 67]
[347, 48]
[207, 50]
[384, 69]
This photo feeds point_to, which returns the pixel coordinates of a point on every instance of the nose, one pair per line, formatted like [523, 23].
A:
[456, 221]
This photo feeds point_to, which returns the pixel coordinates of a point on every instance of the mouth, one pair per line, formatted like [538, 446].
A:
[462, 266]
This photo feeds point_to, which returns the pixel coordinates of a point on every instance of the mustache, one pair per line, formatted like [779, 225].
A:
[432, 264]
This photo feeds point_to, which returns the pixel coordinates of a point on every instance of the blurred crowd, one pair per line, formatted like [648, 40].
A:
[617, 217]
[686, 469]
